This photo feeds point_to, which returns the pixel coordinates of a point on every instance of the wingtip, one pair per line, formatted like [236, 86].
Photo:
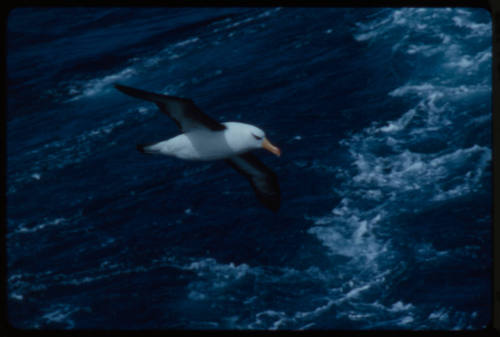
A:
[119, 86]
[274, 208]
[272, 204]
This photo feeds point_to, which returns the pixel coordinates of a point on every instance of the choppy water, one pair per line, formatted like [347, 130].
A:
[384, 119]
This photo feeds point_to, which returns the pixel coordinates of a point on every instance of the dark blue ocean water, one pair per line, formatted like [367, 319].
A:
[383, 117]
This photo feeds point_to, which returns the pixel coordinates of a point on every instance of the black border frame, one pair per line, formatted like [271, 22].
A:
[492, 6]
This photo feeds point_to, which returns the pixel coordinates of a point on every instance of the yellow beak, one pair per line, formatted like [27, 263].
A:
[266, 144]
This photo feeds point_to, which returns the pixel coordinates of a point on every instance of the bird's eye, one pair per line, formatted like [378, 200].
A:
[256, 137]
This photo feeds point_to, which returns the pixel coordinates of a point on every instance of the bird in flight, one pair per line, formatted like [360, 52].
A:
[203, 138]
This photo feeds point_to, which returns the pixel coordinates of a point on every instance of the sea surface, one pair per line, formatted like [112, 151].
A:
[383, 117]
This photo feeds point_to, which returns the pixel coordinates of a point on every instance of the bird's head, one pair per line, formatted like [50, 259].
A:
[259, 140]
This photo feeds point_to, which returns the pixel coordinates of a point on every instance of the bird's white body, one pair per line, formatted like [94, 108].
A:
[202, 144]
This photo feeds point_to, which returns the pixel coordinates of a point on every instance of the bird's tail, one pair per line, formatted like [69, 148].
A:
[145, 148]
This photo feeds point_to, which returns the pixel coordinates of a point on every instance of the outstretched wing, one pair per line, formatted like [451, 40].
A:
[263, 180]
[183, 111]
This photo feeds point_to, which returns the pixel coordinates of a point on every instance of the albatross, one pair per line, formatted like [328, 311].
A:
[203, 139]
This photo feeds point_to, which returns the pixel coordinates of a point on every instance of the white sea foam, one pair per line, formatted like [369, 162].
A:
[356, 291]
[47, 223]
[406, 320]
[214, 277]
[307, 326]
[399, 124]
[357, 242]
[61, 314]
[407, 171]
[187, 41]
[373, 29]
[386, 167]
[476, 29]
[426, 50]
[230, 24]
[210, 265]
[366, 36]
[418, 23]
[431, 93]
[268, 319]
[469, 63]
[440, 315]
[389, 177]
[400, 306]
[16, 296]
[409, 18]
[99, 85]
[418, 89]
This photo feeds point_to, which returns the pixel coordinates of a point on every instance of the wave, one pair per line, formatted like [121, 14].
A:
[430, 91]
[220, 284]
[59, 315]
[419, 20]
[402, 167]
[99, 85]
[409, 26]
[386, 21]
[476, 29]
[386, 159]
[55, 222]
[470, 63]
[138, 66]
[229, 24]
[214, 282]
[59, 154]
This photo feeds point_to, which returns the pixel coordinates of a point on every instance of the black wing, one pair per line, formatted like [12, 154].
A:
[183, 111]
[263, 180]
